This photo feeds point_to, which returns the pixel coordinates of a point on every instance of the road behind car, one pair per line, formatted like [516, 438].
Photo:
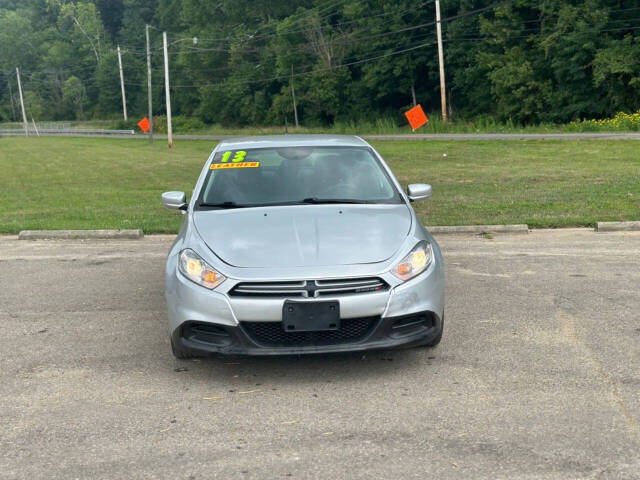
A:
[538, 375]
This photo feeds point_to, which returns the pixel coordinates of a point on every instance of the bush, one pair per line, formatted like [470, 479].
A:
[159, 124]
[128, 125]
[180, 123]
[621, 122]
[184, 124]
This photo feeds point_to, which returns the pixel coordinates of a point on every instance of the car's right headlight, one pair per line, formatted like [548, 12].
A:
[192, 266]
[416, 261]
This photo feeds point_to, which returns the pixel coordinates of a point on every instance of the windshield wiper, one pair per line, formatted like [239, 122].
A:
[317, 200]
[312, 200]
[222, 205]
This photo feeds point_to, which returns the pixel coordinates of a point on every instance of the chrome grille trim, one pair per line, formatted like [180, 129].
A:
[309, 288]
[252, 291]
[350, 282]
[278, 285]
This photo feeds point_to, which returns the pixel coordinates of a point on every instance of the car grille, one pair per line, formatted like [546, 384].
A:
[309, 288]
[272, 334]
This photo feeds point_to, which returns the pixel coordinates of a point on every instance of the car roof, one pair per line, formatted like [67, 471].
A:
[279, 141]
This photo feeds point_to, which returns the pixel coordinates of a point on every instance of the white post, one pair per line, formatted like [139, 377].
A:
[166, 89]
[124, 98]
[443, 96]
[24, 115]
[149, 88]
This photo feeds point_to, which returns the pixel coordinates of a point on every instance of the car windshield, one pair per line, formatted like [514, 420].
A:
[295, 175]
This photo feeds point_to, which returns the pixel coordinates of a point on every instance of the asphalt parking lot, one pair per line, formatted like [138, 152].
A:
[537, 377]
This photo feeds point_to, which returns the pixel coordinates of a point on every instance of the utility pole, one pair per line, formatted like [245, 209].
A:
[413, 95]
[443, 96]
[293, 96]
[149, 89]
[124, 99]
[166, 89]
[24, 115]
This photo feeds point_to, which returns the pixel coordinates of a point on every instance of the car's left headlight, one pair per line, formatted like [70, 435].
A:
[192, 266]
[416, 261]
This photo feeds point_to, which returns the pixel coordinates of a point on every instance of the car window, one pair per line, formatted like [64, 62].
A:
[265, 176]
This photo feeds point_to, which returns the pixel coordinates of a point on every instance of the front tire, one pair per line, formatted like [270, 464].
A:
[181, 353]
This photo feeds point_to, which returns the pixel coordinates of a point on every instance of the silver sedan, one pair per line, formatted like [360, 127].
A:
[301, 244]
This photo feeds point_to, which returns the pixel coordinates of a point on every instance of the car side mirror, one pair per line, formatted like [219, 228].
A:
[175, 200]
[418, 191]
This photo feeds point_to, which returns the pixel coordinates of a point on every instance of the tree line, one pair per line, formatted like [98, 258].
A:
[233, 61]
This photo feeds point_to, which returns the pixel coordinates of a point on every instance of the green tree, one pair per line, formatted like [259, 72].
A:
[76, 96]
[617, 73]
[230, 61]
[109, 101]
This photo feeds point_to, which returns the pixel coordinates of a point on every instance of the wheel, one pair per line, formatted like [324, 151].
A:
[435, 341]
[181, 353]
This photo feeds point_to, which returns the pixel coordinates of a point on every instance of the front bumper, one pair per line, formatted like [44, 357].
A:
[418, 302]
[390, 332]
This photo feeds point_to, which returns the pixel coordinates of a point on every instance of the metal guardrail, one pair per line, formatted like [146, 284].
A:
[52, 125]
[66, 131]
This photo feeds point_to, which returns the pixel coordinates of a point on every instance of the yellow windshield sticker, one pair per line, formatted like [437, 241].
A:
[222, 166]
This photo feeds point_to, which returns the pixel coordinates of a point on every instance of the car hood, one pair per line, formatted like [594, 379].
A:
[304, 235]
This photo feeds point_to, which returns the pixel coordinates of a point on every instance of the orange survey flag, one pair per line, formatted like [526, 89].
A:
[416, 117]
[144, 124]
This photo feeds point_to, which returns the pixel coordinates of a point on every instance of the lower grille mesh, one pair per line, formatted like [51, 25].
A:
[272, 334]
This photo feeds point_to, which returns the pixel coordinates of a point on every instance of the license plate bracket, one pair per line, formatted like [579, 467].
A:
[310, 316]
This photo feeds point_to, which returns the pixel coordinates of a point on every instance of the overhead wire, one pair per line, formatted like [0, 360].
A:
[313, 67]
[298, 74]
[347, 40]
[299, 47]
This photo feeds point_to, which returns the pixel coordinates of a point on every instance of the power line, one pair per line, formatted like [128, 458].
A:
[264, 25]
[248, 37]
[315, 70]
[300, 47]
[410, 28]
[540, 32]
[41, 82]
[428, 24]
[539, 28]
[422, 25]
[302, 18]
[455, 17]
[486, 37]
[347, 41]
[448, 19]
[66, 69]
[252, 37]
[343, 41]
[351, 63]
[332, 27]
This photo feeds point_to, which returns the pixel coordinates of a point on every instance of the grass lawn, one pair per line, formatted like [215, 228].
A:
[86, 183]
